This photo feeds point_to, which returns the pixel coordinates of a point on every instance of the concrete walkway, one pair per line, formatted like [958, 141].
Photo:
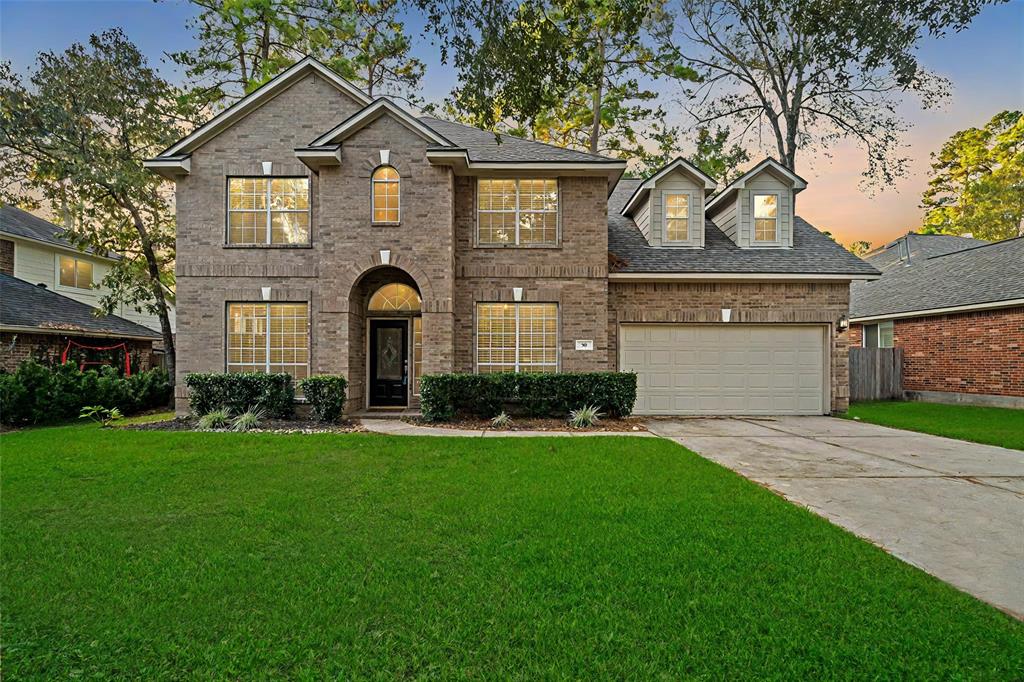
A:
[952, 508]
[397, 427]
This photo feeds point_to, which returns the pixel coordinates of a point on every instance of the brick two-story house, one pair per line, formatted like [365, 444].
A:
[320, 231]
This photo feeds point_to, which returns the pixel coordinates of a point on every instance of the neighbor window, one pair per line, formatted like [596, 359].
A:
[386, 195]
[268, 337]
[517, 337]
[677, 217]
[75, 273]
[517, 212]
[878, 335]
[766, 217]
[268, 211]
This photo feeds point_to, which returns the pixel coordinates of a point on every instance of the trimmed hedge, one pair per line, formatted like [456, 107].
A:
[40, 394]
[442, 396]
[238, 392]
[326, 396]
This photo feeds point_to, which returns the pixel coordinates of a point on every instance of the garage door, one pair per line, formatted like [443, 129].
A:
[719, 369]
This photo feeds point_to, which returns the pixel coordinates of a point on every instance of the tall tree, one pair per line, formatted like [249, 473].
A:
[576, 72]
[74, 138]
[244, 43]
[977, 183]
[803, 75]
[716, 156]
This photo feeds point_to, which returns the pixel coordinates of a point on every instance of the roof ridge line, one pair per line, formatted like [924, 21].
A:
[971, 248]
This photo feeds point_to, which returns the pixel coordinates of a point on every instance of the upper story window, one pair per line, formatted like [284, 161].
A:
[517, 212]
[75, 273]
[677, 217]
[766, 217]
[386, 195]
[271, 211]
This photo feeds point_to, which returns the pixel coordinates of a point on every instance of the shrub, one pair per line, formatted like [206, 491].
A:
[326, 396]
[39, 394]
[214, 419]
[248, 420]
[105, 416]
[502, 421]
[272, 393]
[442, 396]
[588, 415]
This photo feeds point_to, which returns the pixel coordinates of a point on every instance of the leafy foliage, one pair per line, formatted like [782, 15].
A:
[716, 156]
[859, 248]
[442, 396]
[272, 393]
[977, 183]
[38, 394]
[807, 74]
[326, 396]
[104, 416]
[74, 140]
[248, 420]
[215, 419]
[584, 417]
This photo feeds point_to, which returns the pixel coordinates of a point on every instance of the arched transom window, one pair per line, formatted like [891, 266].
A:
[386, 195]
[395, 298]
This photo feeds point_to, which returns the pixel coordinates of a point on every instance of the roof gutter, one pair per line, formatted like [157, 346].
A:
[931, 312]
[75, 332]
[734, 276]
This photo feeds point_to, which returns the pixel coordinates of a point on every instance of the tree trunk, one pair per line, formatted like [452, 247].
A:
[153, 269]
[595, 130]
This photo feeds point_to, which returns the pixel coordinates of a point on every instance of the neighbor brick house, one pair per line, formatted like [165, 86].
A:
[955, 306]
[320, 231]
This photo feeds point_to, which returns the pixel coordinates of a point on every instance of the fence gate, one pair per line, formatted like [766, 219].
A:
[876, 374]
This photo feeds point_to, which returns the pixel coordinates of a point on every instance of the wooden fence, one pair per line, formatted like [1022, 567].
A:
[876, 374]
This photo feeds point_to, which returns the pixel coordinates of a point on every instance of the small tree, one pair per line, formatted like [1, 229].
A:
[977, 183]
[75, 139]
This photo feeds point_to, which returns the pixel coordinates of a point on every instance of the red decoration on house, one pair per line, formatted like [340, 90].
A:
[123, 346]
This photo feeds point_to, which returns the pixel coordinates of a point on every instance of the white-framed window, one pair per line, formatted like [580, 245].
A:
[271, 211]
[766, 217]
[387, 195]
[677, 216]
[516, 337]
[879, 335]
[268, 337]
[75, 272]
[512, 212]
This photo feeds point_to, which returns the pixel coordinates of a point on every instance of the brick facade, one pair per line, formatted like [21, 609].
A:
[7, 257]
[750, 302]
[16, 347]
[980, 353]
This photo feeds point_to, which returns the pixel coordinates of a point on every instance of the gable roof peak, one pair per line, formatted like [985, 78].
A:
[768, 163]
[679, 163]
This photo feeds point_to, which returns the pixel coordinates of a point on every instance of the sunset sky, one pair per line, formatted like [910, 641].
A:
[985, 64]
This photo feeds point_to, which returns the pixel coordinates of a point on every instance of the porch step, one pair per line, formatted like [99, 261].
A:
[386, 413]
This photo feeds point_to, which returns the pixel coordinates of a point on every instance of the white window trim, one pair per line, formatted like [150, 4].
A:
[753, 217]
[476, 336]
[268, 211]
[373, 187]
[56, 275]
[690, 232]
[517, 244]
[266, 319]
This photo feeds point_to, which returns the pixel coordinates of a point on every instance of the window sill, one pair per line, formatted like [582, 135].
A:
[517, 246]
[375, 223]
[268, 246]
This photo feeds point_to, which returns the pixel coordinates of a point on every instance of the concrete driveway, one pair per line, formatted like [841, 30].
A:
[954, 509]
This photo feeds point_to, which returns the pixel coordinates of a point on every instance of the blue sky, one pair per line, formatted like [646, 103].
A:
[985, 64]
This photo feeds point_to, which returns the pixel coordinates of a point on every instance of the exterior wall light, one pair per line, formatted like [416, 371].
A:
[726, 314]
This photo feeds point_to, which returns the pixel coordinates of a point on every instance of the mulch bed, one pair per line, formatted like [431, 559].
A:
[266, 426]
[629, 424]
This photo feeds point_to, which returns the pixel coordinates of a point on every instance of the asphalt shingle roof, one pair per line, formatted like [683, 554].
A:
[23, 304]
[983, 274]
[812, 253]
[19, 223]
[482, 145]
[922, 247]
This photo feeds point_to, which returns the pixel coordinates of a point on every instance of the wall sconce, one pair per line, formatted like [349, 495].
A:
[517, 294]
[385, 256]
[726, 314]
[268, 167]
[266, 293]
[843, 323]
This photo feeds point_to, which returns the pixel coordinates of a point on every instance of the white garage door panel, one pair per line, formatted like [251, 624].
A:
[726, 368]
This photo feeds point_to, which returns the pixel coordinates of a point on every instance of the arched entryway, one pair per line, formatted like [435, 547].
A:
[386, 309]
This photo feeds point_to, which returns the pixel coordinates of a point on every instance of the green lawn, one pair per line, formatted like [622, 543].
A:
[990, 425]
[169, 555]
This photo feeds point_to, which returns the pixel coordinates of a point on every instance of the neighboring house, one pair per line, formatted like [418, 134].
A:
[956, 308]
[34, 250]
[320, 231]
[39, 324]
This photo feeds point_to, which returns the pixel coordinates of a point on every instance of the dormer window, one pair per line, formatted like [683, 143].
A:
[766, 217]
[677, 217]
[386, 195]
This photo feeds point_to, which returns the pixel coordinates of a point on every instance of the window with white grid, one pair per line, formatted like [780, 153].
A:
[677, 217]
[268, 211]
[386, 195]
[517, 212]
[517, 337]
[766, 217]
[268, 337]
